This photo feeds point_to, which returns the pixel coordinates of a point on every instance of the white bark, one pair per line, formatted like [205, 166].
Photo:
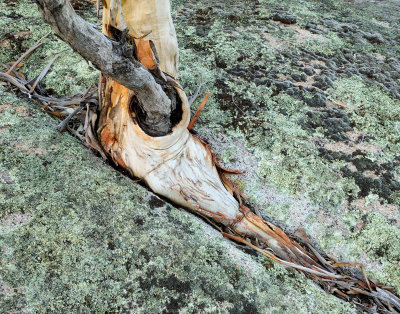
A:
[108, 56]
[177, 166]
[152, 19]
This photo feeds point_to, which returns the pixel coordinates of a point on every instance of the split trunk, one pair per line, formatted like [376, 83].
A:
[142, 125]
[177, 165]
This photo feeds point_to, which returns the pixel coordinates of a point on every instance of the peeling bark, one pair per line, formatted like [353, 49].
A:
[177, 165]
[110, 58]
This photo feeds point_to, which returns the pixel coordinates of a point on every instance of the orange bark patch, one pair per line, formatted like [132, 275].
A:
[120, 95]
[198, 111]
[107, 138]
[144, 53]
[117, 159]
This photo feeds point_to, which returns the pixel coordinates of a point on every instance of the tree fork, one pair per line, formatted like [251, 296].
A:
[108, 56]
[177, 165]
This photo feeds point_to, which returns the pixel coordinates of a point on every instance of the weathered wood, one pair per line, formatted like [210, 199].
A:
[152, 19]
[110, 58]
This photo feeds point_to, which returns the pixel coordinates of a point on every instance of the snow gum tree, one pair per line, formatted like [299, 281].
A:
[142, 125]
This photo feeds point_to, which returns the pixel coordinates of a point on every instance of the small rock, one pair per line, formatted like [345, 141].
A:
[285, 18]
[318, 100]
[375, 38]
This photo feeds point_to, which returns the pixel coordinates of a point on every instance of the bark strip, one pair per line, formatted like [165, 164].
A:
[111, 58]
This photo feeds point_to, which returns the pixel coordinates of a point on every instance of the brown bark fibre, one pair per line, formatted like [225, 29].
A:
[173, 162]
[178, 166]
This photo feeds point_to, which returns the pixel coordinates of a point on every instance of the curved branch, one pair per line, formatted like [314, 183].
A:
[109, 57]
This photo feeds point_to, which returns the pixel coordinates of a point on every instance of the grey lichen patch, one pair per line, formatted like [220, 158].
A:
[21, 26]
[78, 236]
[376, 114]
[380, 241]
[98, 242]
[290, 110]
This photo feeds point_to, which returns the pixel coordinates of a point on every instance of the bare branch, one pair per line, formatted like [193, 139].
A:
[110, 58]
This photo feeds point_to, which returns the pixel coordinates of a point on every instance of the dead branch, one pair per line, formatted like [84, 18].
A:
[110, 57]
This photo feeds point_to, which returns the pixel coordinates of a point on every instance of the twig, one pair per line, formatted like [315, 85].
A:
[72, 131]
[16, 73]
[343, 264]
[321, 273]
[65, 122]
[43, 73]
[14, 81]
[27, 53]
[198, 112]
[197, 92]
[301, 234]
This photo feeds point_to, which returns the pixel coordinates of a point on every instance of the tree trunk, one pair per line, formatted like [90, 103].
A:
[113, 59]
[178, 166]
[143, 120]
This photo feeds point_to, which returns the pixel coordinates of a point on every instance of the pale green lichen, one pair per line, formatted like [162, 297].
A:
[381, 242]
[90, 225]
[375, 113]
[95, 241]
[329, 45]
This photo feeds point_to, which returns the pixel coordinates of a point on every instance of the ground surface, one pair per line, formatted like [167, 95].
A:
[305, 96]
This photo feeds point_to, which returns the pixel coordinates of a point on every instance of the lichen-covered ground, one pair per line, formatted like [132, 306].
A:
[305, 97]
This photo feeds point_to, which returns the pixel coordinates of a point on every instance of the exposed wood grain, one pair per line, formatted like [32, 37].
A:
[110, 58]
